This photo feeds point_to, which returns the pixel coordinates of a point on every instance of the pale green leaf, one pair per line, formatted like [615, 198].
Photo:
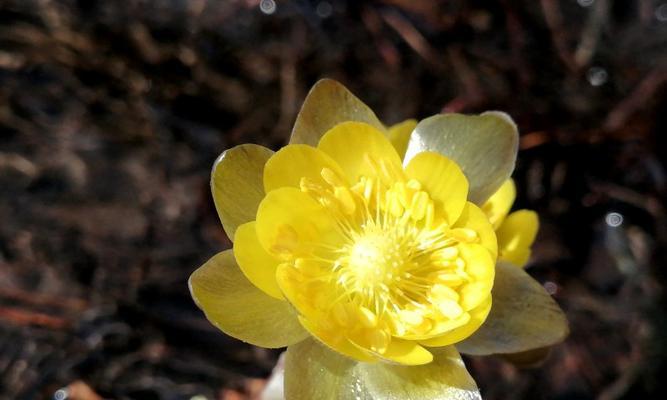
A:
[314, 372]
[328, 104]
[240, 309]
[484, 146]
[523, 317]
[237, 184]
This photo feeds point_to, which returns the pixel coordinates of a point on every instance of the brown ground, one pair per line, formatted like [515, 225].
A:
[112, 112]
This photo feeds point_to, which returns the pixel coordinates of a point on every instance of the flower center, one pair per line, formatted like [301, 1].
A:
[393, 265]
[373, 259]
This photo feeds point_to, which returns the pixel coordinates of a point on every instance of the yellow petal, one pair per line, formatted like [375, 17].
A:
[316, 322]
[236, 183]
[336, 342]
[293, 162]
[356, 146]
[443, 180]
[523, 317]
[328, 104]
[291, 224]
[257, 265]
[479, 263]
[399, 135]
[516, 235]
[500, 203]
[484, 146]
[238, 308]
[481, 267]
[314, 372]
[292, 288]
[356, 344]
[474, 218]
[406, 352]
[477, 317]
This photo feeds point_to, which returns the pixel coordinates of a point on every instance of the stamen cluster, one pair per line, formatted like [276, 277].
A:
[399, 270]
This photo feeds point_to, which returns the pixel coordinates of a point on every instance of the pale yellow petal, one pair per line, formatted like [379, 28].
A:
[236, 183]
[477, 317]
[523, 317]
[238, 308]
[291, 224]
[406, 352]
[257, 265]
[314, 372]
[484, 146]
[328, 104]
[361, 149]
[319, 324]
[293, 162]
[443, 180]
[480, 266]
[473, 218]
[516, 235]
[399, 135]
[291, 285]
[336, 341]
[500, 203]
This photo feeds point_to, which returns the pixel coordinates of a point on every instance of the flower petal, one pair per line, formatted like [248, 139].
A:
[481, 267]
[477, 317]
[236, 183]
[328, 104]
[290, 223]
[500, 203]
[238, 308]
[484, 146]
[516, 235]
[304, 296]
[314, 372]
[255, 263]
[474, 218]
[399, 135]
[523, 317]
[356, 146]
[336, 342]
[443, 180]
[407, 352]
[293, 162]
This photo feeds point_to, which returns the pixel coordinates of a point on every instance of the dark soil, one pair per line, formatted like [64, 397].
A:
[112, 112]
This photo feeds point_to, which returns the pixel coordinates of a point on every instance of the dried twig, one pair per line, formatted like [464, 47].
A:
[22, 317]
[41, 299]
[413, 38]
[553, 17]
[387, 50]
[471, 88]
[591, 33]
[636, 100]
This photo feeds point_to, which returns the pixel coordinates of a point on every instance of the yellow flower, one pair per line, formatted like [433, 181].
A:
[365, 251]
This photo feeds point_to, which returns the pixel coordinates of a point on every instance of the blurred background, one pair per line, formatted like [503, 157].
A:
[112, 113]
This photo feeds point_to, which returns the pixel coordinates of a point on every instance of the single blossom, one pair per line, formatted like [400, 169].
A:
[376, 254]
